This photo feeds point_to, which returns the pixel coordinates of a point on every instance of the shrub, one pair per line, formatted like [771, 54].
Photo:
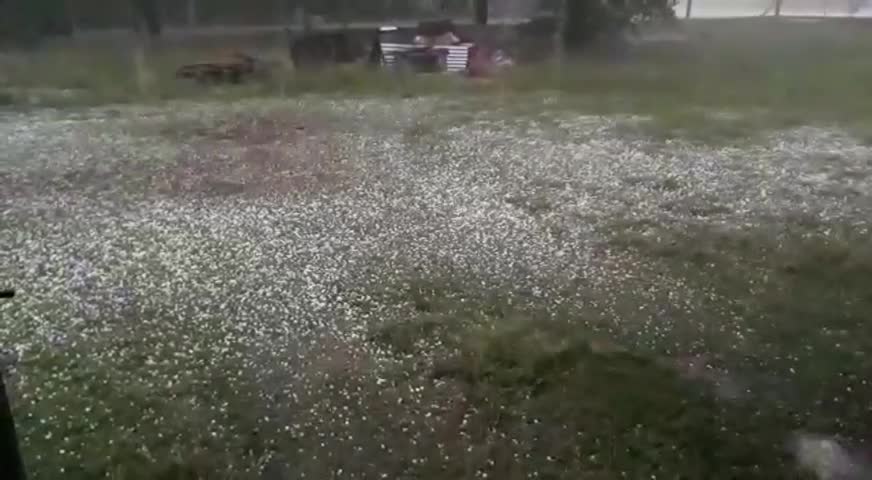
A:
[588, 20]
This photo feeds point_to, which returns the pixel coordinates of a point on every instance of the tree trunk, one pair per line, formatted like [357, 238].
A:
[148, 16]
[142, 73]
[192, 13]
[343, 12]
[560, 32]
[282, 12]
[778, 8]
[302, 16]
[481, 11]
[689, 8]
[70, 13]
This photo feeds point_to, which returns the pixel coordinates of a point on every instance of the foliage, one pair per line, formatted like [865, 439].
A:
[25, 21]
[588, 20]
[36, 18]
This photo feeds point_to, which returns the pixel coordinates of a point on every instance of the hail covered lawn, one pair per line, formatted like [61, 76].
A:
[199, 284]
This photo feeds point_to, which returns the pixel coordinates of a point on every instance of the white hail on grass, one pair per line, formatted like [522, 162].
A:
[198, 296]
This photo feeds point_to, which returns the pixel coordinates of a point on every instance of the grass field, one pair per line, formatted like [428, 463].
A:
[779, 73]
[653, 268]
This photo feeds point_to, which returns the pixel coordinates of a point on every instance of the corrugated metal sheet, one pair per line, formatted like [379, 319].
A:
[457, 58]
[390, 51]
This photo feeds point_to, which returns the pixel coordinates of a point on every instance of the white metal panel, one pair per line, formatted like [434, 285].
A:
[457, 57]
[390, 51]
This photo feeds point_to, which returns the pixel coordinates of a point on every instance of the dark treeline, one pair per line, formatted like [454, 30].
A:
[65, 16]
[27, 20]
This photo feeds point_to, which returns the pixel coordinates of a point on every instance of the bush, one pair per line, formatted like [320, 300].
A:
[6, 99]
[588, 20]
[25, 21]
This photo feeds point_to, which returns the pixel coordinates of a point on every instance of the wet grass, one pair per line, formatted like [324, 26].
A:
[6, 99]
[81, 419]
[479, 380]
[546, 393]
[474, 380]
[485, 381]
[491, 381]
[716, 128]
[801, 294]
[762, 74]
[545, 397]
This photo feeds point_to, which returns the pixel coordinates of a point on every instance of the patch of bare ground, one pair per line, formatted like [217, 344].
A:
[274, 154]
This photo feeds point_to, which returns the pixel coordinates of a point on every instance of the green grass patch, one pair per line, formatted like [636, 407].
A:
[800, 294]
[544, 386]
[6, 99]
[137, 407]
[545, 396]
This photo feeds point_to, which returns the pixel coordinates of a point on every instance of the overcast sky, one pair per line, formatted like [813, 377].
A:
[744, 8]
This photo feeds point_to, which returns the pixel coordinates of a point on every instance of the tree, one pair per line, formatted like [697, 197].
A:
[191, 13]
[481, 11]
[560, 31]
[588, 20]
[26, 21]
[149, 16]
[856, 5]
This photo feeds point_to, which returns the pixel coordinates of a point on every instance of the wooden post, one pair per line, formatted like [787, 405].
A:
[689, 7]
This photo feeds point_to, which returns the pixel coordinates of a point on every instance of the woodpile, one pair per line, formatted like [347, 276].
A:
[232, 70]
